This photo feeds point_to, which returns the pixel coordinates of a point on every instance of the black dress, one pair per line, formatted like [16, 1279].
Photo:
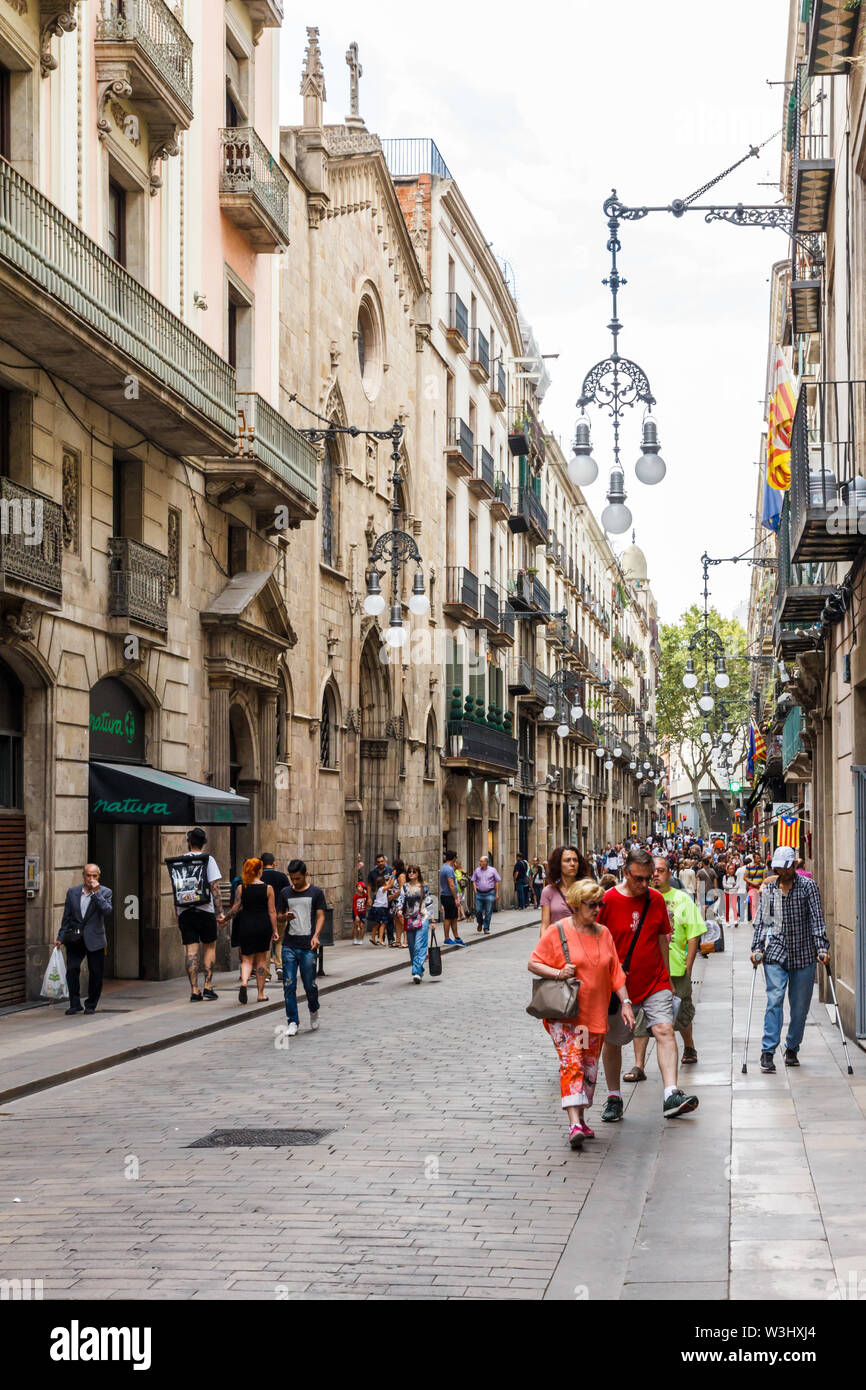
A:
[254, 923]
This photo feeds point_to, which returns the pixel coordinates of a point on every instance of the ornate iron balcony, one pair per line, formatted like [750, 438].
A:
[254, 191]
[481, 748]
[31, 539]
[138, 583]
[145, 35]
[111, 326]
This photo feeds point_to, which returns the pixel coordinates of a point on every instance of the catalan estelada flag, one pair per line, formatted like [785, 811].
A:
[780, 423]
[757, 753]
[788, 830]
[760, 745]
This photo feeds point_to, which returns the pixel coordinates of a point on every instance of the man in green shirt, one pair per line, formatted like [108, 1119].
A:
[688, 926]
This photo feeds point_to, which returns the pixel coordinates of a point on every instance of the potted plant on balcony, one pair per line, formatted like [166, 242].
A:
[519, 434]
[532, 571]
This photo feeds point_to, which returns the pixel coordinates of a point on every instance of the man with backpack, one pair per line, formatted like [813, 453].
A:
[195, 877]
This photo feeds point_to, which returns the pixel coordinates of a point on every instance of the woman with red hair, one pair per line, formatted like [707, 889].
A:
[257, 926]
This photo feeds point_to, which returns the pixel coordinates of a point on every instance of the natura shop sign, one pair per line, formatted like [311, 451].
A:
[116, 723]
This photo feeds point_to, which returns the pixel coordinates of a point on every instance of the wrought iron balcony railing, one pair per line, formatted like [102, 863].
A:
[498, 387]
[461, 591]
[500, 504]
[529, 508]
[482, 747]
[254, 191]
[479, 354]
[138, 582]
[828, 485]
[151, 27]
[792, 737]
[63, 269]
[458, 321]
[461, 444]
[31, 539]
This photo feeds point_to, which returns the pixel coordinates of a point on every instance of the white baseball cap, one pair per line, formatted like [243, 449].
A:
[784, 857]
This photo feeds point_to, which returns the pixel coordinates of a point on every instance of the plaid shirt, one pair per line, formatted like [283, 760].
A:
[798, 934]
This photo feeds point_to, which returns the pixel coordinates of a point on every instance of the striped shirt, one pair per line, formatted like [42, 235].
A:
[792, 925]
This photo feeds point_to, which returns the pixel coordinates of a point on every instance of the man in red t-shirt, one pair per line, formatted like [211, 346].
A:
[648, 981]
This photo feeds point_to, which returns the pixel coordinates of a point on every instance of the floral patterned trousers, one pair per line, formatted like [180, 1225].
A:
[579, 1051]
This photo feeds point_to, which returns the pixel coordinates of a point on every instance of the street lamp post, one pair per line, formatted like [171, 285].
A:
[613, 385]
[395, 548]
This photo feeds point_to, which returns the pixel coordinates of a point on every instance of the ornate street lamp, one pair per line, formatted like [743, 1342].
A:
[562, 693]
[394, 549]
[613, 385]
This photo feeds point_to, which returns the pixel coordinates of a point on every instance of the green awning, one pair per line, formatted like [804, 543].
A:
[129, 794]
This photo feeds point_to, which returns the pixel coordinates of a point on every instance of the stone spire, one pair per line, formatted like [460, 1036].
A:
[313, 83]
[356, 73]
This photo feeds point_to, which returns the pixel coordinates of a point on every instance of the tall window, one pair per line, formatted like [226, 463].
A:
[281, 727]
[5, 427]
[174, 552]
[328, 731]
[117, 222]
[328, 528]
[430, 749]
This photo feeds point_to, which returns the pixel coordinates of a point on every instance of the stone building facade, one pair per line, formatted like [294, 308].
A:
[813, 707]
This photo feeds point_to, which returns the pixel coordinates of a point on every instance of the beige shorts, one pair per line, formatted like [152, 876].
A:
[685, 1014]
[656, 1008]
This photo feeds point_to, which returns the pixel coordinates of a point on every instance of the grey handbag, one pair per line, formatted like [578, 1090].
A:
[555, 999]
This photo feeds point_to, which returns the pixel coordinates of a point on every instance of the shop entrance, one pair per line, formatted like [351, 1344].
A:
[117, 736]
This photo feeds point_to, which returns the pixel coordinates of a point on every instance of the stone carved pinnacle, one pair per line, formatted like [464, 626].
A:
[313, 76]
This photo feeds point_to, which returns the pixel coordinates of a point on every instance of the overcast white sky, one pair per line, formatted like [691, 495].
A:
[539, 110]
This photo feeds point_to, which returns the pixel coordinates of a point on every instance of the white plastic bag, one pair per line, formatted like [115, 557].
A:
[54, 984]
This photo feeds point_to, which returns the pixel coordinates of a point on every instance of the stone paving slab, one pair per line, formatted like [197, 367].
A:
[40, 1047]
[447, 1172]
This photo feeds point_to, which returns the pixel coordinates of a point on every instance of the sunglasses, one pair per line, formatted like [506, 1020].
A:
[596, 905]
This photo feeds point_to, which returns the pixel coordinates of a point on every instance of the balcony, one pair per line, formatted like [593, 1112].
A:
[483, 480]
[813, 168]
[796, 754]
[141, 44]
[526, 679]
[498, 387]
[537, 445]
[831, 36]
[138, 583]
[801, 590]
[583, 730]
[461, 594]
[558, 634]
[580, 652]
[274, 465]
[520, 592]
[488, 611]
[457, 331]
[31, 545]
[87, 319]
[254, 191]
[828, 486]
[460, 449]
[480, 750]
[540, 596]
[529, 516]
[479, 355]
[500, 503]
[620, 696]
[503, 634]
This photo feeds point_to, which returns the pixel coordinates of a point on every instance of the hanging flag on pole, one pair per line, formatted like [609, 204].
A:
[788, 830]
[780, 423]
[757, 752]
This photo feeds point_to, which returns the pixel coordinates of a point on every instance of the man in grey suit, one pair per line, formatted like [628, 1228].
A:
[87, 907]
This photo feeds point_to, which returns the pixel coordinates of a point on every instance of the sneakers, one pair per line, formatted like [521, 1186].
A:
[196, 999]
[314, 1022]
[585, 1131]
[292, 1030]
[767, 1063]
[679, 1104]
[791, 1058]
[612, 1110]
[575, 1137]
[416, 979]
[209, 994]
[77, 1010]
[458, 941]
[89, 1012]
[242, 994]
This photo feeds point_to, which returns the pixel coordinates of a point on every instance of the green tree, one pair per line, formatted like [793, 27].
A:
[679, 721]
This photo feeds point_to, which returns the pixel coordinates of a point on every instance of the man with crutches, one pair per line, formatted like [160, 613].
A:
[790, 935]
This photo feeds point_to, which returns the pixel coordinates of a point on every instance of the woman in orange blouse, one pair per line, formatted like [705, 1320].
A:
[595, 963]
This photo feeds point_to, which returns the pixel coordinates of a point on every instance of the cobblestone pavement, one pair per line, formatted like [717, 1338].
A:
[446, 1172]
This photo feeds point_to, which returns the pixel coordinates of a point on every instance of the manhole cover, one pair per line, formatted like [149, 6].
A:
[259, 1138]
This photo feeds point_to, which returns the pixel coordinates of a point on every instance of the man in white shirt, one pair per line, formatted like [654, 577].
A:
[198, 925]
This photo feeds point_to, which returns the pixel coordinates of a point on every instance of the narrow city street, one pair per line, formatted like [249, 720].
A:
[443, 1169]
